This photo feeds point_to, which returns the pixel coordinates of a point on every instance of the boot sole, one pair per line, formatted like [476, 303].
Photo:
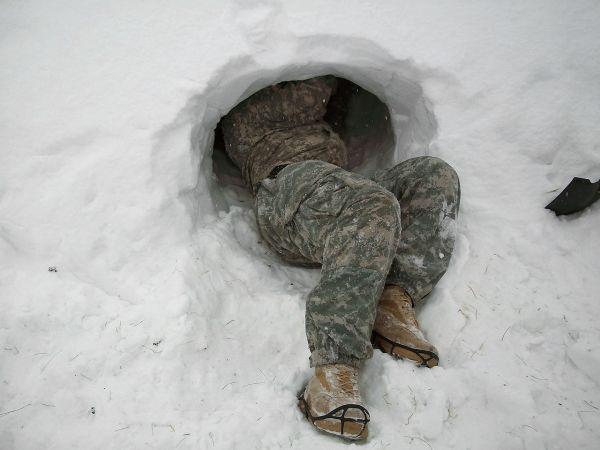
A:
[422, 357]
[335, 422]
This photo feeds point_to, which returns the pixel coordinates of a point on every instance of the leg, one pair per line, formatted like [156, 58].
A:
[358, 248]
[316, 212]
[428, 191]
[313, 213]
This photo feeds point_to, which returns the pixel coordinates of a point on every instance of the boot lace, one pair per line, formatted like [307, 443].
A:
[346, 382]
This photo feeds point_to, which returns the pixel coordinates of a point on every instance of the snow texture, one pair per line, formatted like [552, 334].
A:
[139, 307]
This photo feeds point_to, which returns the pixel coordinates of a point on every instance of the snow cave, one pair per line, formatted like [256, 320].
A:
[141, 310]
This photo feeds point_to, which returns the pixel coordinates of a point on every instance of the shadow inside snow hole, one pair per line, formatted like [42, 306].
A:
[357, 115]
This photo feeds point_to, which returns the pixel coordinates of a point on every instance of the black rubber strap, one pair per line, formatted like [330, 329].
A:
[342, 418]
[419, 353]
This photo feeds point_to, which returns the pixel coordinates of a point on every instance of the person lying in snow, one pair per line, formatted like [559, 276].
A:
[382, 243]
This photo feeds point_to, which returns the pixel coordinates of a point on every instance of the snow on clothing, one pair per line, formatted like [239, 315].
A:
[396, 228]
[315, 212]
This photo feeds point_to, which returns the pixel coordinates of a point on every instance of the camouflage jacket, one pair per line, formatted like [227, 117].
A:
[282, 124]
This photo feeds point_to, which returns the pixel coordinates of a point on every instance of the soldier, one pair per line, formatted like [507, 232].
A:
[382, 243]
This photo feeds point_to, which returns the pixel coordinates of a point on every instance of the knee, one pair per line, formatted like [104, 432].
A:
[380, 210]
[367, 232]
[439, 171]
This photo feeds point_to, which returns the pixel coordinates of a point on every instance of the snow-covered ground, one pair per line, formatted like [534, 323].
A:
[167, 324]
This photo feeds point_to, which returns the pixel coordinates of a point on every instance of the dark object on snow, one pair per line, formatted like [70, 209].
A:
[579, 194]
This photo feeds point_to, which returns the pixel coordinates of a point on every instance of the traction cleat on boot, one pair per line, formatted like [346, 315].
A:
[332, 402]
[396, 330]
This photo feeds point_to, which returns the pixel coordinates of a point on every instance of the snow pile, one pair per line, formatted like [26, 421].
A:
[139, 308]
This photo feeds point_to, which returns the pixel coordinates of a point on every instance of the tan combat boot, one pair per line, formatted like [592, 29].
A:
[332, 402]
[396, 330]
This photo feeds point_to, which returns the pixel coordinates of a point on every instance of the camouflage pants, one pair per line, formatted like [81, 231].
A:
[397, 228]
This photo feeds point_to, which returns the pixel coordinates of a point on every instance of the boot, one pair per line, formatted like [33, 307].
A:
[332, 402]
[396, 330]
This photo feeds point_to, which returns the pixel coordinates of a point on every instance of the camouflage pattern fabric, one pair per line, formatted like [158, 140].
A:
[282, 124]
[397, 228]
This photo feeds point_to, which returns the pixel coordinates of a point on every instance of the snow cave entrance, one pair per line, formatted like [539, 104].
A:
[359, 117]
[379, 109]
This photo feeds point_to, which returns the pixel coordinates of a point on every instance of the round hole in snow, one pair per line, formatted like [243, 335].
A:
[358, 116]
[396, 83]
